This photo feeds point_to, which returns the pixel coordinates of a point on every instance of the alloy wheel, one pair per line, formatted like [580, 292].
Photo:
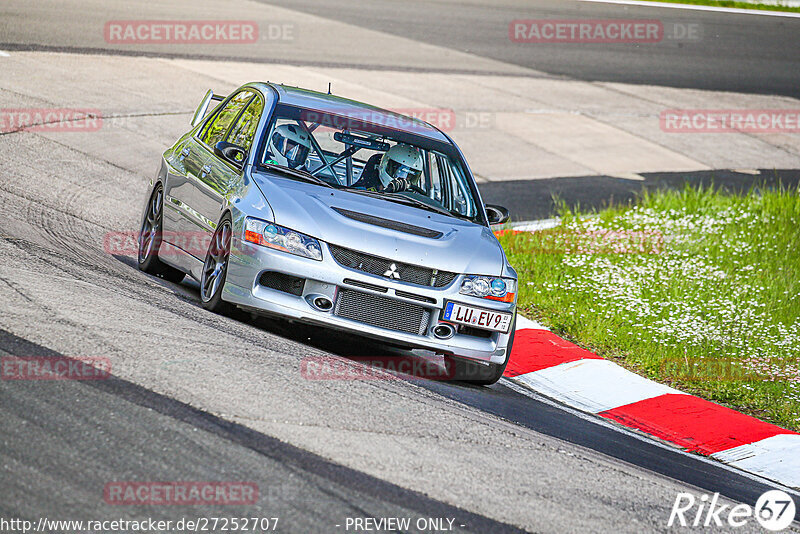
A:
[216, 262]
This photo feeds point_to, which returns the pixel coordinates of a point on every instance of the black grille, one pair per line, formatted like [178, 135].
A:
[412, 296]
[381, 311]
[472, 331]
[444, 278]
[381, 266]
[283, 282]
[365, 285]
[388, 223]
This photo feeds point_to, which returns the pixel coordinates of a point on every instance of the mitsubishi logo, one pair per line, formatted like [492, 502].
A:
[392, 272]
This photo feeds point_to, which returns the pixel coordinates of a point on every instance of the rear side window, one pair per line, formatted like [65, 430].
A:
[244, 130]
[218, 127]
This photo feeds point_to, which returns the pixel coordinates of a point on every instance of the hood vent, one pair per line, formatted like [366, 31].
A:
[388, 223]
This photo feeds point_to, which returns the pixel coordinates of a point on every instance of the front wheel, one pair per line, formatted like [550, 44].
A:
[215, 268]
[463, 370]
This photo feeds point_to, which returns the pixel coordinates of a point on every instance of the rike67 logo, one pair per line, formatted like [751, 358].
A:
[774, 510]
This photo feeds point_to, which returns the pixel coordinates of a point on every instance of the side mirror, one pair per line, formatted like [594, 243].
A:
[233, 154]
[497, 214]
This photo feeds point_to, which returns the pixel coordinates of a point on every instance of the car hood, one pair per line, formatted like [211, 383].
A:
[463, 247]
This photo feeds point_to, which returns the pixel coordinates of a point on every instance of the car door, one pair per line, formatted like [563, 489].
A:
[224, 176]
[192, 197]
[185, 164]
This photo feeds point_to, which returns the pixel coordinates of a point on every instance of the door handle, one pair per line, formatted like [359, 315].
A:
[206, 170]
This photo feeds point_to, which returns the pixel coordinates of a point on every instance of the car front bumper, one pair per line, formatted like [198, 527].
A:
[329, 279]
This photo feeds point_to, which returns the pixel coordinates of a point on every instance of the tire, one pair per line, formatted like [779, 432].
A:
[150, 240]
[215, 268]
[462, 370]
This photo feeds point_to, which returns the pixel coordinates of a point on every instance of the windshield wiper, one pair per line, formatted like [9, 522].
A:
[297, 173]
[409, 201]
[418, 203]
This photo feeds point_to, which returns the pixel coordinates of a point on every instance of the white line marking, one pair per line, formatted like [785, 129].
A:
[593, 385]
[597, 420]
[4, 54]
[775, 457]
[734, 10]
[628, 176]
[532, 226]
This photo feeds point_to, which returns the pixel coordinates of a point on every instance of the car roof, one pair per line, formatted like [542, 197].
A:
[337, 105]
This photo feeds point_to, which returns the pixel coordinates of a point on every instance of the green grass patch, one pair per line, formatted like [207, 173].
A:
[731, 3]
[694, 288]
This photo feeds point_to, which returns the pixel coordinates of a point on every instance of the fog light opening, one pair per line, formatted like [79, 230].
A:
[444, 331]
[323, 304]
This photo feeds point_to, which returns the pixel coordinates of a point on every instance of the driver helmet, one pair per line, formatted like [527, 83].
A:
[290, 146]
[401, 162]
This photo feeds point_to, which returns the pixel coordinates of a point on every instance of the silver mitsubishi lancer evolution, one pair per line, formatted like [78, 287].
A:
[327, 211]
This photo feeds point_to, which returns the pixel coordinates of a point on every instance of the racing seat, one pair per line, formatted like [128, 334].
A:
[369, 175]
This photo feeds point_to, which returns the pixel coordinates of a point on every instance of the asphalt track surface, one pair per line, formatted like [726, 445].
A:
[733, 52]
[62, 441]
[303, 490]
[743, 53]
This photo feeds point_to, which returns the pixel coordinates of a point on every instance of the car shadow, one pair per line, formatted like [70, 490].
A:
[371, 359]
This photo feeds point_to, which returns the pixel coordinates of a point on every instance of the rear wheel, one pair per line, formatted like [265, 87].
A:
[150, 240]
[463, 370]
[215, 268]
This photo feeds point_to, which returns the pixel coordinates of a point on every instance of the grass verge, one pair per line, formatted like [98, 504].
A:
[731, 3]
[694, 288]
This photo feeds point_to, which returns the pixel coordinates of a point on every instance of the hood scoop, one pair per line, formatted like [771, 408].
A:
[388, 223]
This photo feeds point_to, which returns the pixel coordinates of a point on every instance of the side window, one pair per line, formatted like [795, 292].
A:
[244, 130]
[219, 125]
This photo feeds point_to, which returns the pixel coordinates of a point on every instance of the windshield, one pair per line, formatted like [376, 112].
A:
[373, 159]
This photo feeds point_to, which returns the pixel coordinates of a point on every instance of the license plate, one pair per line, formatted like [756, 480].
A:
[477, 317]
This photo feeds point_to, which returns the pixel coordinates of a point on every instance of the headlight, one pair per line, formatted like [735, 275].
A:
[502, 289]
[280, 238]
